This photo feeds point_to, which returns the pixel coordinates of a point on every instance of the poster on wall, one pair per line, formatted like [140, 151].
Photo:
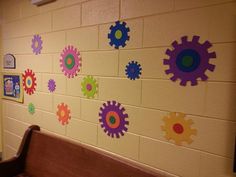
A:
[12, 87]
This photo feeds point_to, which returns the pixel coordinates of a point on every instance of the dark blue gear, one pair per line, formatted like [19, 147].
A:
[122, 31]
[133, 70]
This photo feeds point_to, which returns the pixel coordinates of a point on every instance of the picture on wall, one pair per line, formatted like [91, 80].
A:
[12, 87]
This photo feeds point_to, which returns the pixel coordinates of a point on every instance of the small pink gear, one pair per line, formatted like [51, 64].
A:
[70, 61]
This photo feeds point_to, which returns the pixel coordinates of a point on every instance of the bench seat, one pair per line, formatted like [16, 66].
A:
[45, 155]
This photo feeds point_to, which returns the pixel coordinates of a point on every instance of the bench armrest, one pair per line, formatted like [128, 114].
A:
[10, 168]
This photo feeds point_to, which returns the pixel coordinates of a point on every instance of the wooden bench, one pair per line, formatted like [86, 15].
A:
[44, 155]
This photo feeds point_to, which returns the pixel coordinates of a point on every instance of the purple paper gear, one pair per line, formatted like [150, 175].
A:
[189, 60]
[113, 119]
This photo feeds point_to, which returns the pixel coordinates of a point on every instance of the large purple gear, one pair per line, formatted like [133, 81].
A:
[37, 44]
[70, 61]
[51, 85]
[189, 60]
[112, 119]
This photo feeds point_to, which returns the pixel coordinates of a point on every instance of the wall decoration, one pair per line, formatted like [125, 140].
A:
[89, 86]
[70, 61]
[9, 61]
[51, 85]
[113, 119]
[29, 81]
[178, 128]
[31, 108]
[189, 60]
[37, 44]
[133, 70]
[118, 34]
[63, 113]
[12, 87]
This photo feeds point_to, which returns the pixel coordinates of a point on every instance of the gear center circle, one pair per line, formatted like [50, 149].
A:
[112, 119]
[70, 61]
[178, 128]
[89, 87]
[118, 34]
[188, 60]
[62, 113]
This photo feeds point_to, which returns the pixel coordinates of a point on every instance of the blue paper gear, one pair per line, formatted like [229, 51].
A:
[133, 70]
[121, 26]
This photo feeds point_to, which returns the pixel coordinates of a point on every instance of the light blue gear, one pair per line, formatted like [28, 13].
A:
[118, 34]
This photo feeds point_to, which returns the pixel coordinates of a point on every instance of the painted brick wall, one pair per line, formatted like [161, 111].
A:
[154, 25]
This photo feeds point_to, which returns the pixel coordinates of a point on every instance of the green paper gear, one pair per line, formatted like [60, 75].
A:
[89, 86]
[31, 108]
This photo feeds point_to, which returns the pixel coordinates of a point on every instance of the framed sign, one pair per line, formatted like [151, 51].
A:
[12, 87]
[9, 61]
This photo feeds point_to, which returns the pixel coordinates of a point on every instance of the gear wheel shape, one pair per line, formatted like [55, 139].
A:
[178, 128]
[37, 44]
[63, 113]
[112, 119]
[189, 60]
[70, 61]
[29, 81]
[133, 70]
[89, 86]
[31, 108]
[118, 34]
[51, 85]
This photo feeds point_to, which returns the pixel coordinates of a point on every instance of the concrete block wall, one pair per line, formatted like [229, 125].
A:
[154, 25]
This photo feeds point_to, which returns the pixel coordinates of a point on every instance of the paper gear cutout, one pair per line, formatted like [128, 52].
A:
[189, 60]
[133, 70]
[37, 44]
[113, 119]
[63, 113]
[31, 108]
[178, 128]
[51, 85]
[118, 34]
[70, 61]
[89, 86]
[29, 81]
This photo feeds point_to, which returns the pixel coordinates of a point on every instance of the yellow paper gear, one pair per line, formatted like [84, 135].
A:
[178, 128]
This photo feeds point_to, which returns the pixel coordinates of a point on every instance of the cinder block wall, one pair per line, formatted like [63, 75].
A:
[154, 25]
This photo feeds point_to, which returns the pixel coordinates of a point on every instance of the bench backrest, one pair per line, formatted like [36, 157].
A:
[50, 156]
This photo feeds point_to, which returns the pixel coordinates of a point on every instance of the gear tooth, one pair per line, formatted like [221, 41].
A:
[167, 137]
[124, 23]
[163, 128]
[128, 38]
[178, 142]
[166, 62]
[173, 78]
[194, 131]
[119, 105]
[123, 45]
[111, 43]
[206, 45]
[196, 39]
[212, 55]
[128, 30]
[117, 22]
[211, 67]
[175, 44]
[168, 52]
[183, 82]
[189, 140]
[184, 39]
[193, 82]
[168, 71]
[204, 77]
